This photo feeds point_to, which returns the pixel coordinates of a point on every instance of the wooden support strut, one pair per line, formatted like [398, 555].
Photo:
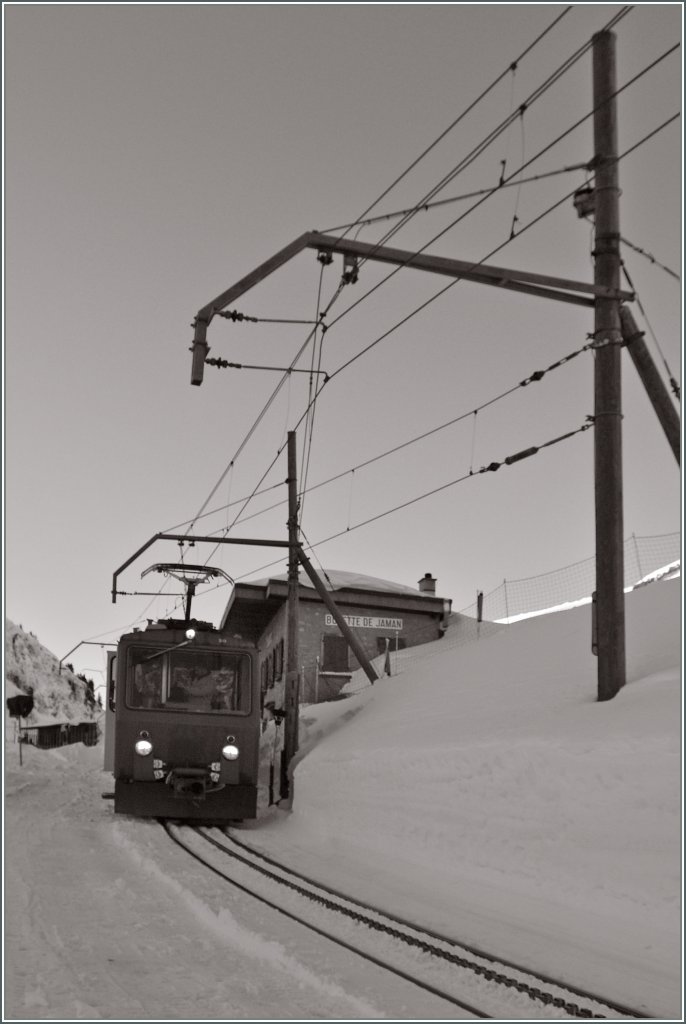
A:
[652, 381]
[355, 645]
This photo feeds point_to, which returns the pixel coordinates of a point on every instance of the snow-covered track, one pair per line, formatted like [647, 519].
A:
[174, 832]
[433, 962]
[539, 987]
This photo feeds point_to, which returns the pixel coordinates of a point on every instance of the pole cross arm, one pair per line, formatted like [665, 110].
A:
[580, 293]
[92, 643]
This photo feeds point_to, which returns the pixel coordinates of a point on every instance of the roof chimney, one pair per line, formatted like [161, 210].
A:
[427, 585]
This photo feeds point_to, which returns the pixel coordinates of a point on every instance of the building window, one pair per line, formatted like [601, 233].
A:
[335, 653]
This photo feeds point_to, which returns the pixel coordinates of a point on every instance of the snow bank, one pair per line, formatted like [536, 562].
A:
[58, 696]
[486, 783]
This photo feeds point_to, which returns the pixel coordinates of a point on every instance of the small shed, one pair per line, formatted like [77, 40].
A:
[59, 734]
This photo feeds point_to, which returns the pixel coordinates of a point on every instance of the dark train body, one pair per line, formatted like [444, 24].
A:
[185, 723]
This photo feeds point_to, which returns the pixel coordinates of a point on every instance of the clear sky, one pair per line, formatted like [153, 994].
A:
[155, 154]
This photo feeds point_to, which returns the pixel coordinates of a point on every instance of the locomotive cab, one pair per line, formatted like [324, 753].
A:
[187, 724]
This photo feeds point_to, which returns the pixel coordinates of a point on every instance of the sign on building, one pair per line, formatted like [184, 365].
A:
[366, 622]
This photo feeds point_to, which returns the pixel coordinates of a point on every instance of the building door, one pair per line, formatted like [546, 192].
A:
[335, 653]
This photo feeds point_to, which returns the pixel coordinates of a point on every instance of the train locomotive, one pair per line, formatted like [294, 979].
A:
[184, 723]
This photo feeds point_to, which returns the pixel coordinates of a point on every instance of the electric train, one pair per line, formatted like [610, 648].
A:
[184, 723]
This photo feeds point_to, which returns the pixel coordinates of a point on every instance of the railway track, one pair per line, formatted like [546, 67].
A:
[480, 984]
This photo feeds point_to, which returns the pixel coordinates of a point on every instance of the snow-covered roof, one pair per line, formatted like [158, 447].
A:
[341, 580]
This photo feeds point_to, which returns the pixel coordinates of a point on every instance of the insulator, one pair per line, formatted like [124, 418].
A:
[520, 455]
[584, 201]
[350, 269]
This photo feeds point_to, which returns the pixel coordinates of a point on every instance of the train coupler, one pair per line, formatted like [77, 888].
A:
[189, 782]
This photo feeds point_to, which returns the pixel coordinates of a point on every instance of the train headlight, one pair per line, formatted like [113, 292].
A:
[190, 634]
[230, 751]
[143, 746]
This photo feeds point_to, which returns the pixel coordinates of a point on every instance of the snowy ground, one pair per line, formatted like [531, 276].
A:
[484, 793]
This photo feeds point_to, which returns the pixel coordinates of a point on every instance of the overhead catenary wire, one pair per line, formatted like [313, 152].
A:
[272, 463]
[456, 199]
[280, 484]
[445, 288]
[486, 197]
[233, 314]
[467, 110]
[312, 404]
[534, 377]
[631, 149]
[490, 468]
[560, 71]
[515, 218]
[497, 249]
[264, 411]
[481, 147]
[322, 570]
[649, 256]
[286, 376]
[539, 217]
[544, 213]
[224, 364]
[672, 380]
[503, 162]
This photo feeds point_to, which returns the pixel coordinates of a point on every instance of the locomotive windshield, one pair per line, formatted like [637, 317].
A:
[202, 681]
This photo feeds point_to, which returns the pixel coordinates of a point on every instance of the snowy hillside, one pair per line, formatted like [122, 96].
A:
[58, 697]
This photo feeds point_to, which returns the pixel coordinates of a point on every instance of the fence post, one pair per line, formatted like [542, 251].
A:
[507, 610]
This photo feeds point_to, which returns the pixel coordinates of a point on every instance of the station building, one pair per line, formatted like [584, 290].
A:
[386, 616]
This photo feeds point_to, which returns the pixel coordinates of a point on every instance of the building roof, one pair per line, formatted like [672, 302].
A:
[338, 579]
[253, 603]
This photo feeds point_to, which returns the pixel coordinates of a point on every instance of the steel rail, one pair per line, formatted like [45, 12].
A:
[404, 922]
[320, 931]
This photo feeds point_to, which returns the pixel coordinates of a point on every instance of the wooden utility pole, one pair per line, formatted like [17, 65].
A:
[609, 524]
[291, 696]
[652, 381]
